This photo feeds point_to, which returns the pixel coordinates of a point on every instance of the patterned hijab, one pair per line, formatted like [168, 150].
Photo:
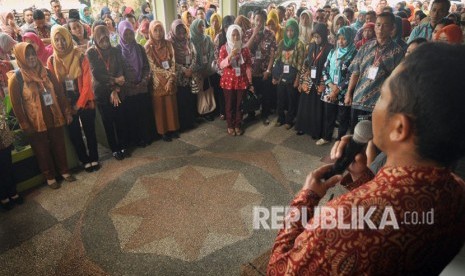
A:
[157, 49]
[130, 51]
[305, 32]
[180, 46]
[66, 63]
[6, 45]
[100, 32]
[289, 43]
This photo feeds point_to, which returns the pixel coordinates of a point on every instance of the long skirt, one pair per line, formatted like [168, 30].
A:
[310, 114]
[165, 109]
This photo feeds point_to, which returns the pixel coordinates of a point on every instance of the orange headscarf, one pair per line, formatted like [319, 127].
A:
[37, 74]
[157, 49]
[453, 32]
[66, 63]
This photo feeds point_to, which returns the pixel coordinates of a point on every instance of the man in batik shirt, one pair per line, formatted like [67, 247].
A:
[262, 45]
[412, 124]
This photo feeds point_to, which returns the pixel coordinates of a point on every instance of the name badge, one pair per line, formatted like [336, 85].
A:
[258, 54]
[47, 97]
[286, 69]
[336, 79]
[204, 59]
[165, 65]
[313, 72]
[69, 84]
[188, 59]
[5, 90]
[238, 71]
[372, 72]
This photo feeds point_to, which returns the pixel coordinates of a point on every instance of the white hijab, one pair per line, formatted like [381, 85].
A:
[230, 43]
[305, 32]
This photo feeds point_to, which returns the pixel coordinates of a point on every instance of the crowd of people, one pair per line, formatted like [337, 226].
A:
[314, 66]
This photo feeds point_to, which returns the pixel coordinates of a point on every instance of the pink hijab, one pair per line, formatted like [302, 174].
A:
[43, 52]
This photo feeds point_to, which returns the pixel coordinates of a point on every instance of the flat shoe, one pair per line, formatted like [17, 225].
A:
[69, 178]
[55, 185]
[239, 131]
[231, 132]
[18, 200]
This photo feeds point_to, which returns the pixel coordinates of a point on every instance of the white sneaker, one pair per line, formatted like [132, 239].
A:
[321, 142]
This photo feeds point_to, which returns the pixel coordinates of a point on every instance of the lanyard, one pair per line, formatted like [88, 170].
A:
[107, 62]
[378, 57]
[315, 60]
[67, 69]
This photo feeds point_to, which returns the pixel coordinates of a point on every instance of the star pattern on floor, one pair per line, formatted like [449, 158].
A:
[189, 209]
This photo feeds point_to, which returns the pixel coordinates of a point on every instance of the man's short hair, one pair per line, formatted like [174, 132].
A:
[434, 107]
[281, 9]
[445, 2]
[27, 9]
[38, 15]
[299, 11]
[129, 15]
[389, 15]
[445, 21]
[388, 9]
[74, 14]
[421, 14]
[326, 7]
[418, 40]
[320, 10]
[201, 9]
[335, 10]
[373, 13]
[261, 13]
[45, 10]
[52, 1]
[349, 11]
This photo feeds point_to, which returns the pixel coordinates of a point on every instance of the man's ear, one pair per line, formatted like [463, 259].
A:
[401, 128]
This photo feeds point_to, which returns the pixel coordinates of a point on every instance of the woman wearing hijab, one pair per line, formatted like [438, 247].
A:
[111, 26]
[367, 34]
[184, 56]
[215, 26]
[236, 63]
[6, 45]
[451, 34]
[339, 21]
[290, 55]
[43, 52]
[397, 33]
[106, 64]
[8, 25]
[42, 110]
[162, 63]
[205, 54]
[244, 23]
[85, 14]
[219, 41]
[142, 35]
[104, 11]
[147, 11]
[187, 19]
[272, 22]
[306, 27]
[71, 68]
[310, 111]
[358, 24]
[336, 79]
[137, 74]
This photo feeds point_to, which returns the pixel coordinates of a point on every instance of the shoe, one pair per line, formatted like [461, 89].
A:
[69, 178]
[175, 135]
[278, 124]
[96, 166]
[266, 121]
[118, 156]
[222, 117]
[7, 206]
[321, 142]
[125, 153]
[55, 185]
[88, 167]
[288, 126]
[239, 131]
[231, 132]
[17, 200]
[166, 138]
[300, 132]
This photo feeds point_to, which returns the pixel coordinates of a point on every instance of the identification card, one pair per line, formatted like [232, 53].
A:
[204, 59]
[165, 65]
[238, 71]
[313, 72]
[47, 97]
[188, 60]
[69, 84]
[5, 90]
[286, 69]
[336, 79]
[258, 54]
[372, 72]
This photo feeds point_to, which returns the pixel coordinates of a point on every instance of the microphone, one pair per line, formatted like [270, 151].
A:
[363, 133]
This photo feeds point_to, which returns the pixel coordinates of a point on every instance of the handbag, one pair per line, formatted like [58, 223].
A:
[250, 102]
[206, 99]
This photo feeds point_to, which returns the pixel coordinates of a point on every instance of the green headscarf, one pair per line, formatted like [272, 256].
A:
[290, 42]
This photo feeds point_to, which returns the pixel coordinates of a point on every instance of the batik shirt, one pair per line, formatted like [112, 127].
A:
[385, 58]
[435, 195]
[261, 50]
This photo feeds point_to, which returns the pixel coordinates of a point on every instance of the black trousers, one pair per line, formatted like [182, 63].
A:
[138, 113]
[86, 117]
[7, 184]
[219, 94]
[263, 88]
[333, 112]
[288, 99]
[354, 117]
[114, 122]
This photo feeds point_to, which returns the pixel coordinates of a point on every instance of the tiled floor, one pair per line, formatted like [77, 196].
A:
[180, 208]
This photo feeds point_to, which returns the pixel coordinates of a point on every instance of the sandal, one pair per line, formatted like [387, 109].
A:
[231, 132]
[239, 131]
